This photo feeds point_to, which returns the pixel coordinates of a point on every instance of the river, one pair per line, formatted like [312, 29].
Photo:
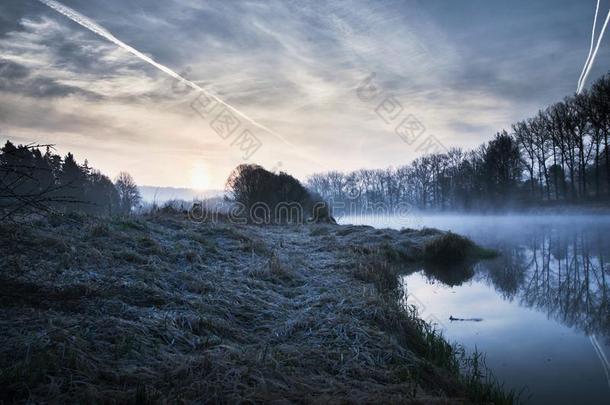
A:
[543, 304]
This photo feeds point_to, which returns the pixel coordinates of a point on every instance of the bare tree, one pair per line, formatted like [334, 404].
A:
[563, 151]
[129, 195]
[524, 138]
[600, 120]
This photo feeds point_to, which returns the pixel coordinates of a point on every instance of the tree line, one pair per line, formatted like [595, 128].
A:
[559, 156]
[34, 179]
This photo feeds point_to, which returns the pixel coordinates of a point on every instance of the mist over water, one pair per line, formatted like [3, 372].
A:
[544, 301]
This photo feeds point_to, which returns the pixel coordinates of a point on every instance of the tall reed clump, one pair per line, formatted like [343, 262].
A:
[449, 248]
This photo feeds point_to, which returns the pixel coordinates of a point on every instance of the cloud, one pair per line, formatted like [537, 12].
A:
[17, 78]
[55, 60]
[466, 70]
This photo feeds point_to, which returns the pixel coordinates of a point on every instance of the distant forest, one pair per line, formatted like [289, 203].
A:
[33, 181]
[560, 156]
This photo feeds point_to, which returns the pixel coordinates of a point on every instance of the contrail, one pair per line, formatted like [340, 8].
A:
[602, 356]
[101, 31]
[599, 41]
[584, 68]
[588, 66]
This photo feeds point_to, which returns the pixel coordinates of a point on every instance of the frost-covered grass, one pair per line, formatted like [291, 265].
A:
[160, 308]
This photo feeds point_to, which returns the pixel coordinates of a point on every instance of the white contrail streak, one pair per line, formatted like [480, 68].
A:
[599, 41]
[584, 68]
[101, 31]
[593, 55]
[602, 356]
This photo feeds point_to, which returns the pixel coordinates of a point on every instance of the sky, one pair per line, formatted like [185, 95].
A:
[320, 85]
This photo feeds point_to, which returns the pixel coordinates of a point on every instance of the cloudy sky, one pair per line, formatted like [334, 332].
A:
[464, 69]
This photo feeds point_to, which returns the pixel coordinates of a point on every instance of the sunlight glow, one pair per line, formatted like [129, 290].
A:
[200, 180]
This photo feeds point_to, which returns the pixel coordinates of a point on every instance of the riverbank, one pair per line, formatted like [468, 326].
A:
[162, 308]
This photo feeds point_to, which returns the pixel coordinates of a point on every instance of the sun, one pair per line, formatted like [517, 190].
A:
[200, 179]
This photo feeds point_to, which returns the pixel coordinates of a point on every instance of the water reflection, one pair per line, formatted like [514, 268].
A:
[559, 271]
[543, 302]
[450, 275]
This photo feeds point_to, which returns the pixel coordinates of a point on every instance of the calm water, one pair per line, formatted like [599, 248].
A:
[544, 302]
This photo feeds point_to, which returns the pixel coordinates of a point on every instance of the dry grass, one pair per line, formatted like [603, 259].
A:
[162, 309]
[450, 248]
[378, 272]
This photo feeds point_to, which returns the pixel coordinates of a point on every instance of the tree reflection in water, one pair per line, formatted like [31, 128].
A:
[450, 275]
[560, 271]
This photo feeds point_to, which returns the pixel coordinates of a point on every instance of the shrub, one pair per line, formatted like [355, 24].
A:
[450, 248]
[274, 198]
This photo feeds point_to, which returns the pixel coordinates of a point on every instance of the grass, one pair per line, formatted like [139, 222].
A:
[448, 257]
[394, 254]
[381, 274]
[130, 256]
[450, 248]
[162, 309]
[255, 245]
[100, 231]
[466, 375]
[320, 230]
[130, 224]
[481, 384]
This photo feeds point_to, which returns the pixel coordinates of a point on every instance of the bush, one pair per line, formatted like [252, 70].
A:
[450, 248]
[274, 198]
